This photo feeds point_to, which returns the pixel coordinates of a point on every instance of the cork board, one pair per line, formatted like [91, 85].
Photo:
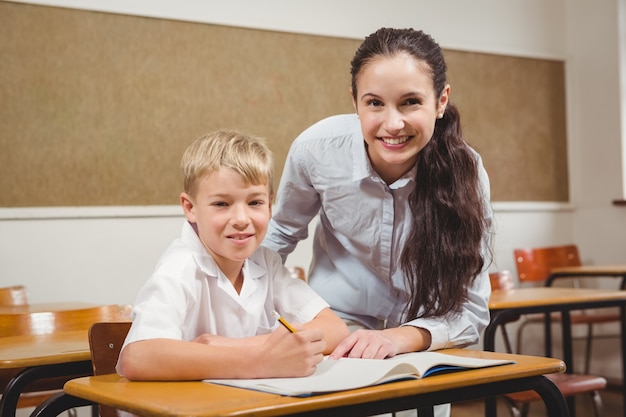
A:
[97, 108]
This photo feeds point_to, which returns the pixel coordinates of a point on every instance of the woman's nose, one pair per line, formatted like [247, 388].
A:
[394, 120]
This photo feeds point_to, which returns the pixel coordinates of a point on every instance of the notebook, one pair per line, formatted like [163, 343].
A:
[351, 373]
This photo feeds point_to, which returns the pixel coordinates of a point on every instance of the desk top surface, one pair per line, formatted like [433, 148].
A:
[201, 399]
[59, 347]
[540, 296]
[45, 307]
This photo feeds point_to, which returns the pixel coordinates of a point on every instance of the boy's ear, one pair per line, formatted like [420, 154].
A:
[187, 203]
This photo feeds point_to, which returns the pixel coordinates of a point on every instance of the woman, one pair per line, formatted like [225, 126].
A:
[402, 248]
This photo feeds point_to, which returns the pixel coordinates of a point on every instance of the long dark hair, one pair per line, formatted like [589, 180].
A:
[443, 254]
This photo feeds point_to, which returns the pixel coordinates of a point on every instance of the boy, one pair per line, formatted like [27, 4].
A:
[206, 312]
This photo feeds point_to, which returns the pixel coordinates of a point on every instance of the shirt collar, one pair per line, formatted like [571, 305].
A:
[205, 261]
[362, 167]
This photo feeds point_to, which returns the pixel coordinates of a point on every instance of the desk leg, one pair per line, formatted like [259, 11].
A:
[59, 403]
[11, 394]
[426, 412]
[623, 333]
[489, 344]
[568, 353]
[552, 398]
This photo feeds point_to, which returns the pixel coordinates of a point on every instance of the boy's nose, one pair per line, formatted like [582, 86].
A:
[240, 215]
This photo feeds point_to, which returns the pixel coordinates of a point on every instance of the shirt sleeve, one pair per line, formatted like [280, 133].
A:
[160, 308]
[297, 203]
[464, 328]
[293, 298]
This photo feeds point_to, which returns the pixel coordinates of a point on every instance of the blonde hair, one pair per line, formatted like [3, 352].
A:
[246, 154]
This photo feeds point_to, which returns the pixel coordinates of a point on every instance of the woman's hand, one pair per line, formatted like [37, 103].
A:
[368, 344]
[380, 344]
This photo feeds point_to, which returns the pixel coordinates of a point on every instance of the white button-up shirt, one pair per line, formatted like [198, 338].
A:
[363, 226]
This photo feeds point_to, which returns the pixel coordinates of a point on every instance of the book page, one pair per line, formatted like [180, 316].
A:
[351, 373]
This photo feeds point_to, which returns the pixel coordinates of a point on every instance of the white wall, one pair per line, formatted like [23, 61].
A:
[104, 254]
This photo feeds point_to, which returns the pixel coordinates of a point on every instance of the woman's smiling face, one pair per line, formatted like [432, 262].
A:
[398, 108]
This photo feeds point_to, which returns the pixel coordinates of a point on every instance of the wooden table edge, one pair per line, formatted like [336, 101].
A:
[263, 404]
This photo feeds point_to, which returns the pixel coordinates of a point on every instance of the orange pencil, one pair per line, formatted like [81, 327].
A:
[283, 322]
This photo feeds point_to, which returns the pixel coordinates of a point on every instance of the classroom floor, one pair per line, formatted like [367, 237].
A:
[611, 399]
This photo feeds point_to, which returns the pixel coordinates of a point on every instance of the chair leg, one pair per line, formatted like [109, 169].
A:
[507, 340]
[525, 409]
[513, 407]
[518, 343]
[588, 347]
[596, 400]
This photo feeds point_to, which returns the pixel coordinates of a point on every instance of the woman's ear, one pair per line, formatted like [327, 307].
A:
[187, 203]
[443, 99]
[353, 100]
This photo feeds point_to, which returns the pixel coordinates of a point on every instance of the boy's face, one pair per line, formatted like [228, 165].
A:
[231, 217]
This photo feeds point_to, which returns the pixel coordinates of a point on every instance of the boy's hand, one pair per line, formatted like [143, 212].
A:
[286, 354]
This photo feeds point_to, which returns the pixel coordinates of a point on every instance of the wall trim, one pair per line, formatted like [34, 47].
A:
[102, 212]
[117, 212]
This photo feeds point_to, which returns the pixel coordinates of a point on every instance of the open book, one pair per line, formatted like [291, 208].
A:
[351, 373]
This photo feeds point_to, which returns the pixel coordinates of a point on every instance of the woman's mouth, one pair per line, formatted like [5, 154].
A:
[395, 141]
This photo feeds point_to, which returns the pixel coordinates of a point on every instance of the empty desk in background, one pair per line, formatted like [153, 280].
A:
[43, 356]
[44, 307]
[546, 300]
[599, 271]
[202, 399]
[50, 340]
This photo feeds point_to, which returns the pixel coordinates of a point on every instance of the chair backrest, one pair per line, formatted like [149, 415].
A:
[502, 280]
[105, 342]
[15, 295]
[535, 264]
[46, 322]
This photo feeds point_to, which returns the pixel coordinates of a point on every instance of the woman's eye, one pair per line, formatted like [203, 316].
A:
[374, 103]
[412, 102]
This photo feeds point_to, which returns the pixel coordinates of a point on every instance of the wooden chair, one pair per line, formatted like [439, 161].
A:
[569, 384]
[297, 272]
[105, 343]
[17, 324]
[13, 296]
[534, 265]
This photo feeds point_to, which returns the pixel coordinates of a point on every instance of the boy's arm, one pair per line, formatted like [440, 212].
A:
[281, 354]
[333, 327]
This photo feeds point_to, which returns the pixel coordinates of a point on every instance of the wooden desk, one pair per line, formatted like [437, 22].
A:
[44, 307]
[506, 304]
[615, 271]
[42, 356]
[201, 399]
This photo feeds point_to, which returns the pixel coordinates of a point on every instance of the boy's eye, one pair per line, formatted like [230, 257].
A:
[255, 203]
[220, 204]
